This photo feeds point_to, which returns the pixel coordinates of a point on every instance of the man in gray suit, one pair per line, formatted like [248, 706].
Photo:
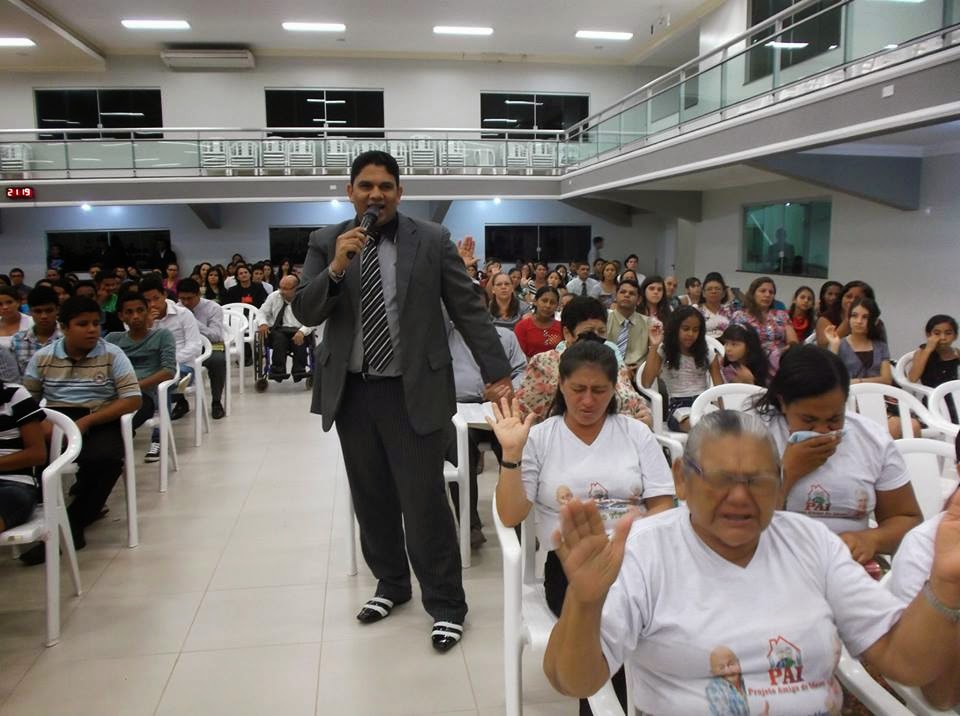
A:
[385, 378]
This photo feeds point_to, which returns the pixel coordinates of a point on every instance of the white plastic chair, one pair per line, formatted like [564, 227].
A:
[243, 154]
[274, 155]
[398, 150]
[168, 444]
[527, 620]
[459, 474]
[900, 370]
[735, 396]
[201, 420]
[868, 399]
[453, 153]
[518, 155]
[336, 153]
[236, 326]
[932, 475]
[49, 520]
[15, 158]
[213, 155]
[368, 145]
[877, 699]
[543, 155]
[301, 154]
[130, 480]
[937, 401]
[423, 153]
[251, 314]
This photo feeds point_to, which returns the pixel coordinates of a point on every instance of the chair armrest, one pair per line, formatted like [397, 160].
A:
[876, 698]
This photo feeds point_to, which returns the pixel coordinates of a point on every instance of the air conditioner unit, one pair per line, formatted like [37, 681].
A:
[208, 59]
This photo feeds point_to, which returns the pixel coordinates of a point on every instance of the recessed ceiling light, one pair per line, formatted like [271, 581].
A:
[86, 207]
[461, 30]
[334, 202]
[603, 35]
[156, 24]
[496, 200]
[16, 42]
[778, 45]
[314, 26]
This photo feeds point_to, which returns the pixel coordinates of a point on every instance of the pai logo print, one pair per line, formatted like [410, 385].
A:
[818, 499]
[786, 662]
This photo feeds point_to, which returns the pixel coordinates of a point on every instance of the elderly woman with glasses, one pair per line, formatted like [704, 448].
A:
[726, 606]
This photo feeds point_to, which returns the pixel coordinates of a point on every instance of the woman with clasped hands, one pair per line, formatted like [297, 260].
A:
[725, 606]
[583, 450]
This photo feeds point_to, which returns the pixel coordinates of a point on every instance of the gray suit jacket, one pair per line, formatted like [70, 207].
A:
[429, 271]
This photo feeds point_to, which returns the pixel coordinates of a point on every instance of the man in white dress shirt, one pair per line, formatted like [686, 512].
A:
[283, 330]
[582, 284]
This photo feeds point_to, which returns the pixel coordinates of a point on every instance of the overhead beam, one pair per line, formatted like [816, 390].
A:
[675, 204]
[610, 211]
[57, 26]
[890, 181]
[209, 214]
[438, 210]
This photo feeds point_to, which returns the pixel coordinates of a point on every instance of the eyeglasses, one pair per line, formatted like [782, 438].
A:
[758, 485]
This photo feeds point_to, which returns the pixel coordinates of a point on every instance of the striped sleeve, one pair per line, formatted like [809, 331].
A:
[31, 377]
[124, 377]
[24, 408]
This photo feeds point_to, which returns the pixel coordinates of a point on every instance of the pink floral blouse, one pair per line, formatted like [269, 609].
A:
[773, 333]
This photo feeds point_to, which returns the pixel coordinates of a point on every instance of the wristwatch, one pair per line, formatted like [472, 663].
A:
[949, 612]
[337, 276]
[510, 465]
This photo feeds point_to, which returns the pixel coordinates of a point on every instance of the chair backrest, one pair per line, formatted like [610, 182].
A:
[927, 463]
[937, 402]
[248, 311]
[870, 400]
[735, 396]
[811, 339]
[205, 352]
[717, 346]
[60, 456]
[900, 370]
[236, 323]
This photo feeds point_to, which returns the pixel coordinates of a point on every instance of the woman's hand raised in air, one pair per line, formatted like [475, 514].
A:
[510, 429]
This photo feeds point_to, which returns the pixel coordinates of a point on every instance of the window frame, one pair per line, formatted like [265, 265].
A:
[802, 201]
[488, 251]
[99, 131]
[51, 236]
[324, 91]
[529, 96]
[279, 227]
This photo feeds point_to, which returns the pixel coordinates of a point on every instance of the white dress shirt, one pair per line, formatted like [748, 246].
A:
[271, 309]
[186, 332]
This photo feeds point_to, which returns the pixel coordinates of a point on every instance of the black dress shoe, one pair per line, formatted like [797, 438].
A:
[377, 608]
[38, 553]
[297, 377]
[216, 410]
[179, 410]
[445, 635]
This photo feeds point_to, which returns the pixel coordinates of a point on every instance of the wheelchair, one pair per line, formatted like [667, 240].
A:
[262, 358]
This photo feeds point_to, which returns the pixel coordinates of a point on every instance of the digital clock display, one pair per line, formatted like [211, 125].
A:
[21, 193]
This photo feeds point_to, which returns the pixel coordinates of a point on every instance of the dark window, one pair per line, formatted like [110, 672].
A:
[98, 109]
[322, 108]
[506, 111]
[532, 242]
[808, 37]
[791, 237]
[80, 249]
[289, 242]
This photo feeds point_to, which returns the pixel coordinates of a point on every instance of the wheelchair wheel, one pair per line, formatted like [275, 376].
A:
[260, 359]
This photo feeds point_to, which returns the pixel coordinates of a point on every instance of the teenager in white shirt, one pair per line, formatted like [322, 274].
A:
[584, 450]
[726, 606]
[852, 470]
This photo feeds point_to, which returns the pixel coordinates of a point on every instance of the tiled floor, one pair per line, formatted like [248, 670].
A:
[237, 601]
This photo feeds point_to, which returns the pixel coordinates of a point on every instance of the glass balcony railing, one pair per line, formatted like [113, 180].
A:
[809, 46]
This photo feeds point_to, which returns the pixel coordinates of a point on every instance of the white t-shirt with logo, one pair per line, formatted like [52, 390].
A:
[911, 564]
[843, 491]
[705, 636]
[622, 467]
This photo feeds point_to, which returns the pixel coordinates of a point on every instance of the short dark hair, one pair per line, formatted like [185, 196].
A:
[691, 281]
[938, 319]
[10, 292]
[65, 285]
[42, 296]
[597, 240]
[105, 275]
[76, 305]
[152, 283]
[629, 282]
[188, 285]
[85, 283]
[806, 371]
[127, 297]
[584, 353]
[580, 309]
[377, 158]
[15, 269]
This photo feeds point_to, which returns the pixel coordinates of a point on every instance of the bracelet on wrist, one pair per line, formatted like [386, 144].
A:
[951, 613]
[509, 465]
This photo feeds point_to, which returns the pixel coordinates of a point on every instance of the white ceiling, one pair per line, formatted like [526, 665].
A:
[931, 140]
[531, 30]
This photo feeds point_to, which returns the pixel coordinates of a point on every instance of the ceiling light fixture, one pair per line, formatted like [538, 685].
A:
[496, 200]
[86, 207]
[156, 24]
[314, 26]
[501, 119]
[17, 42]
[603, 35]
[461, 30]
[523, 101]
[890, 47]
[779, 45]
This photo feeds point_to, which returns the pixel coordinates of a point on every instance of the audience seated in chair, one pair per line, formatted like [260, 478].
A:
[22, 447]
[186, 333]
[583, 318]
[284, 332]
[209, 317]
[44, 306]
[93, 383]
[152, 352]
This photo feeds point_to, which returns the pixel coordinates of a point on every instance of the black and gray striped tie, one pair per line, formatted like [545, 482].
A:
[377, 348]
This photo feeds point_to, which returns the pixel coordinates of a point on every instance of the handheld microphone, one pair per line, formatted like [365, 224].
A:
[368, 219]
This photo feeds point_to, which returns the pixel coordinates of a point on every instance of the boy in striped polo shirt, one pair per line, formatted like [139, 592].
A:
[92, 382]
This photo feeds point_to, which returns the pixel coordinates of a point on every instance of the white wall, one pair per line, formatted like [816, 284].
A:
[416, 93]
[909, 257]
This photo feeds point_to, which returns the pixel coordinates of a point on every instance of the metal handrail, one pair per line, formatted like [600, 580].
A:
[719, 50]
[556, 133]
